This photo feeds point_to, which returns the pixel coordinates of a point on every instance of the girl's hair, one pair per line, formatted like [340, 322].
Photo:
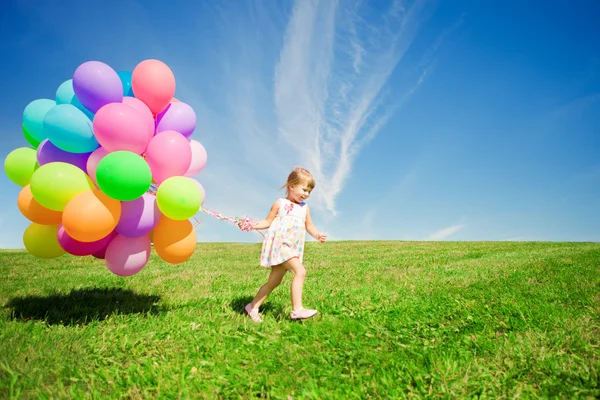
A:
[297, 176]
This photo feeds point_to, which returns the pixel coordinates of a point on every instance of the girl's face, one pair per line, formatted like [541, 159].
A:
[300, 192]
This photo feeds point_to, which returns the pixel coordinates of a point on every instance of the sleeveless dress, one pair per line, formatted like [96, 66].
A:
[285, 238]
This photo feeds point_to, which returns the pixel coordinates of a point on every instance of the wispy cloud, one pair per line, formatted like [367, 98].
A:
[446, 232]
[330, 78]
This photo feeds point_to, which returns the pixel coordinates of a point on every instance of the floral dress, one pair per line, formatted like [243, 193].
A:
[285, 238]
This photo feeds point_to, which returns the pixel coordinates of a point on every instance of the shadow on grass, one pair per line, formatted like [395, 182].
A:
[82, 306]
[275, 310]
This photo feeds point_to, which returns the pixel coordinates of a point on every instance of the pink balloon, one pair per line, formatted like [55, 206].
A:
[127, 256]
[118, 126]
[153, 83]
[144, 110]
[199, 158]
[92, 163]
[168, 154]
[201, 189]
[101, 254]
[78, 248]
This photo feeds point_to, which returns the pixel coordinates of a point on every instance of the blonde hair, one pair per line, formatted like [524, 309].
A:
[297, 176]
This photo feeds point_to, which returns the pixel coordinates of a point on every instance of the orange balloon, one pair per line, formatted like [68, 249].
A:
[91, 216]
[174, 241]
[174, 100]
[34, 211]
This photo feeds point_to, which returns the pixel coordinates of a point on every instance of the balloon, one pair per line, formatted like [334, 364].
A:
[29, 138]
[96, 84]
[78, 248]
[125, 78]
[66, 95]
[123, 175]
[33, 117]
[91, 215]
[144, 110]
[179, 117]
[174, 241]
[101, 254]
[154, 84]
[20, 165]
[47, 152]
[168, 154]
[139, 216]
[53, 185]
[199, 158]
[93, 161]
[69, 129]
[178, 198]
[121, 127]
[41, 241]
[127, 256]
[202, 191]
[34, 211]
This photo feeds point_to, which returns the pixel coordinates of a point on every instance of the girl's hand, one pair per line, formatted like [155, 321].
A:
[322, 237]
[246, 225]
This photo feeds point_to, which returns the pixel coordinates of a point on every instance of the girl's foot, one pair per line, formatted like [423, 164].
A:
[252, 313]
[302, 313]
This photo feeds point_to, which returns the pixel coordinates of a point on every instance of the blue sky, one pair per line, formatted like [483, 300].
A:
[421, 120]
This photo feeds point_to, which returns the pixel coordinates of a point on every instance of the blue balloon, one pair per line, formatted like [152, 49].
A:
[126, 81]
[33, 117]
[66, 95]
[68, 128]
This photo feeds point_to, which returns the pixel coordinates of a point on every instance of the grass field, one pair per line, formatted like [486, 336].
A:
[397, 320]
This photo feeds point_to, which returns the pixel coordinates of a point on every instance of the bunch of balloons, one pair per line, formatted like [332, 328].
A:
[97, 150]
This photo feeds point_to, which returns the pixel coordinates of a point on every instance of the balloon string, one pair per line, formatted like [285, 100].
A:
[244, 223]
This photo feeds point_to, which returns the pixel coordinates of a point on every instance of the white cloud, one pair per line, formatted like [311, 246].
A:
[446, 232]
[329, 83]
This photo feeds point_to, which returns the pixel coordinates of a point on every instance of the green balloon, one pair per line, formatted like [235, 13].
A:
[54, 184]
[123, 175]
[32, 141]
[20, 164]
[178, 198]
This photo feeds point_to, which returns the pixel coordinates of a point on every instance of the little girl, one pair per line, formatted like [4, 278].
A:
[283, 246]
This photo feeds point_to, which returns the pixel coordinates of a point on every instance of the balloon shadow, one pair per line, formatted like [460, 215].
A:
[276, 310]
[83, 306]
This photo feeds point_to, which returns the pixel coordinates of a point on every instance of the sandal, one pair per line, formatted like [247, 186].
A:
[303, 313]
[254, 316]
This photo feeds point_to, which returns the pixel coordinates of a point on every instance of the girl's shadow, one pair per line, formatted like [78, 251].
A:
[82, 306]
[275, 310]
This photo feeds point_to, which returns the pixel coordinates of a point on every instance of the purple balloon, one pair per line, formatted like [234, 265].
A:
[77, 248]
[97, 84]
[139, 216]
[178, 117]
[48, 152]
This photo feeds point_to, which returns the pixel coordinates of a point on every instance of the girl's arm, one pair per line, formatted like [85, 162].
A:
[266, 223]
[312, 230]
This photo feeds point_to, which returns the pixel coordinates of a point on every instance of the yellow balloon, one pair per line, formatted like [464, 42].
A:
[20, 164]
[42, 241]
[54, 184]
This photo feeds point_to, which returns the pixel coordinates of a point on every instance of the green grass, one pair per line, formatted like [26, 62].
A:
[397, 320]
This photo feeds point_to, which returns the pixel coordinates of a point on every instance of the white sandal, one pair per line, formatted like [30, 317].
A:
[252, 313]
[303, 313]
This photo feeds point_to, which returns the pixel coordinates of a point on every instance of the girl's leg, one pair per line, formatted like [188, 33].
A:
[299, 272]
[275, 277]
